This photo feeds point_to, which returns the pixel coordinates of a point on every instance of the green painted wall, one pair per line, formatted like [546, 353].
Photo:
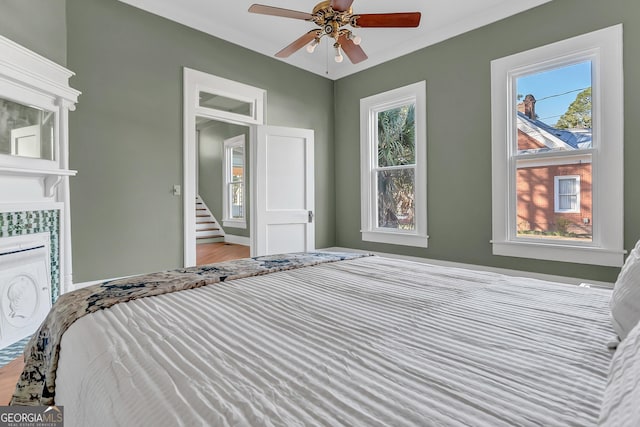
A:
[39, 25]
[457, 72]
[210, 153]
[126, 134]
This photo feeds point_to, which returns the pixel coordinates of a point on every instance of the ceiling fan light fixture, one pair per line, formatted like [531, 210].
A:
[330, 18]
[338, 58]
[311, 47]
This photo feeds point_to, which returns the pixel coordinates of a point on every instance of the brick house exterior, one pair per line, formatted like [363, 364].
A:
[540, 181]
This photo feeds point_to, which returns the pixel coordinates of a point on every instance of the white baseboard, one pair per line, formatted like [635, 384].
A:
[237, 240]
[505, 271]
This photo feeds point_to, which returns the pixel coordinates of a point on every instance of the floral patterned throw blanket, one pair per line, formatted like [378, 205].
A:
[37, 382]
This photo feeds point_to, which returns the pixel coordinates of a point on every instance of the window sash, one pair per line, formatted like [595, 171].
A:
[604, 49]
[370, 108]
[567, 194]
[234, 214]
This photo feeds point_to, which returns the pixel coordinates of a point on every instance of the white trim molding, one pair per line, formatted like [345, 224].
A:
[556, 193]
[370, 107]
[193, 83]
[603, 48]
[228, 220]
[237, 240]
[32, 80]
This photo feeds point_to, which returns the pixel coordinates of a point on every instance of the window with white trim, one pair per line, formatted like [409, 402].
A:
[557, 178]
[567, 194]
[393, 166]
[233, 194]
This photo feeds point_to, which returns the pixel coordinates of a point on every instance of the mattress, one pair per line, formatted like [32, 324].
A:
[371, 341]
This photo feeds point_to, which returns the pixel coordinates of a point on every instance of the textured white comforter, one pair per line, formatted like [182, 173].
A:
[368, 342]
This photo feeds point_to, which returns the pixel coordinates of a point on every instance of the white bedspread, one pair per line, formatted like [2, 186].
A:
[366, 342]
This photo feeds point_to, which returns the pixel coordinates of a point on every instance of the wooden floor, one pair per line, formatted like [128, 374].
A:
[9, 375]
[208, 253]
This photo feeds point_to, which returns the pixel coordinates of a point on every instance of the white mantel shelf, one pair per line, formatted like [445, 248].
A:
[9, 170]
[52, 177]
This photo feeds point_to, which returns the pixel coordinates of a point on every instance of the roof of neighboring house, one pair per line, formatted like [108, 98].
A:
[554, 138]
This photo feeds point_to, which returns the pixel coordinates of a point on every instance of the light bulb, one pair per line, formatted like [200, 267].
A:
[339, 58]
[312, 46]
[356, 39]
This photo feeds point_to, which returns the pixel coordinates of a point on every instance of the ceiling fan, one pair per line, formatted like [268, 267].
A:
[332, 16]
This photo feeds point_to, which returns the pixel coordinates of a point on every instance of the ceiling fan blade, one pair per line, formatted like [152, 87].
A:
[278, 11]
[298, 44]
[388, 20]
[341, 5]
[353, 51]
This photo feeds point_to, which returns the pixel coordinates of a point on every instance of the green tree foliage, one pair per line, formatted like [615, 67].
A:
[578, 115]
[396, 147]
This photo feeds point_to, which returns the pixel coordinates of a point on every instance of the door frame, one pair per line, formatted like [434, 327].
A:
[193, 83]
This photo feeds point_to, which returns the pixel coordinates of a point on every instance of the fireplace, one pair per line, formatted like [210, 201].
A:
[35, 221]
[25, 285]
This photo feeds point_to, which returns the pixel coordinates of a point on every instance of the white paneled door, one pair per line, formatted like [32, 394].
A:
[284, 201]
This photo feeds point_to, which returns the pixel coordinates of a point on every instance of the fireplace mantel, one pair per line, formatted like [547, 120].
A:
[28, 82]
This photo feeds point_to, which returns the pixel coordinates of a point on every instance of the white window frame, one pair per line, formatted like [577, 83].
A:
[556, 193]
[227, 177]
[604, 49]
[369, 107]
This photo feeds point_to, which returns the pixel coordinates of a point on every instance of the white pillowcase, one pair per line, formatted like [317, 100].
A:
[620, 404]
[625, 300]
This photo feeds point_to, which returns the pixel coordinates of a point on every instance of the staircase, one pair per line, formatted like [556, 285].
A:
[207, 228]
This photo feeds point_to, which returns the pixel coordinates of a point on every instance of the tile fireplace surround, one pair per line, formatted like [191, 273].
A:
[30, 222]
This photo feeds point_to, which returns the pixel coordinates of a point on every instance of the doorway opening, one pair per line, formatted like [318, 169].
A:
[222, 211]
[277, 165]
[226, 104]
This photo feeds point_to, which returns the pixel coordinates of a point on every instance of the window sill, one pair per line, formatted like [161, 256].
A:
[392, 238]
[234, 223]
[560, 252]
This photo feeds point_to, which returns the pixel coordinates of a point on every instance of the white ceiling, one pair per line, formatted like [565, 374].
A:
[229, 20]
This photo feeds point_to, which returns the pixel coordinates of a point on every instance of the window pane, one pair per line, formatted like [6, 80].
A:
[396, 199]
[568, 202]
[237, 206]
[396, 136]
[554, 110]
[567, 186]
[540, 210]
[222, 103]
[26, 131]
[237, 164]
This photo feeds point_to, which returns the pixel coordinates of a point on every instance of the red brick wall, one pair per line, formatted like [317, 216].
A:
[536, 196]
[525, 142]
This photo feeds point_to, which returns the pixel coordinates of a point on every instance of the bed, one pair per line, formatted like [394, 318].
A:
[326, 339]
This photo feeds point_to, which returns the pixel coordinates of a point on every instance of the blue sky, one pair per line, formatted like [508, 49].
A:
[554, 84]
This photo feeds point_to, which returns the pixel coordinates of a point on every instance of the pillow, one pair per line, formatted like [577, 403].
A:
[625, 300]
[620, 406]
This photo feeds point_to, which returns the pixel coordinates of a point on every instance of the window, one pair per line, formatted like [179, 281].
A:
[393, 166]
[567, 194]
[233, 188]
[557, 144]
